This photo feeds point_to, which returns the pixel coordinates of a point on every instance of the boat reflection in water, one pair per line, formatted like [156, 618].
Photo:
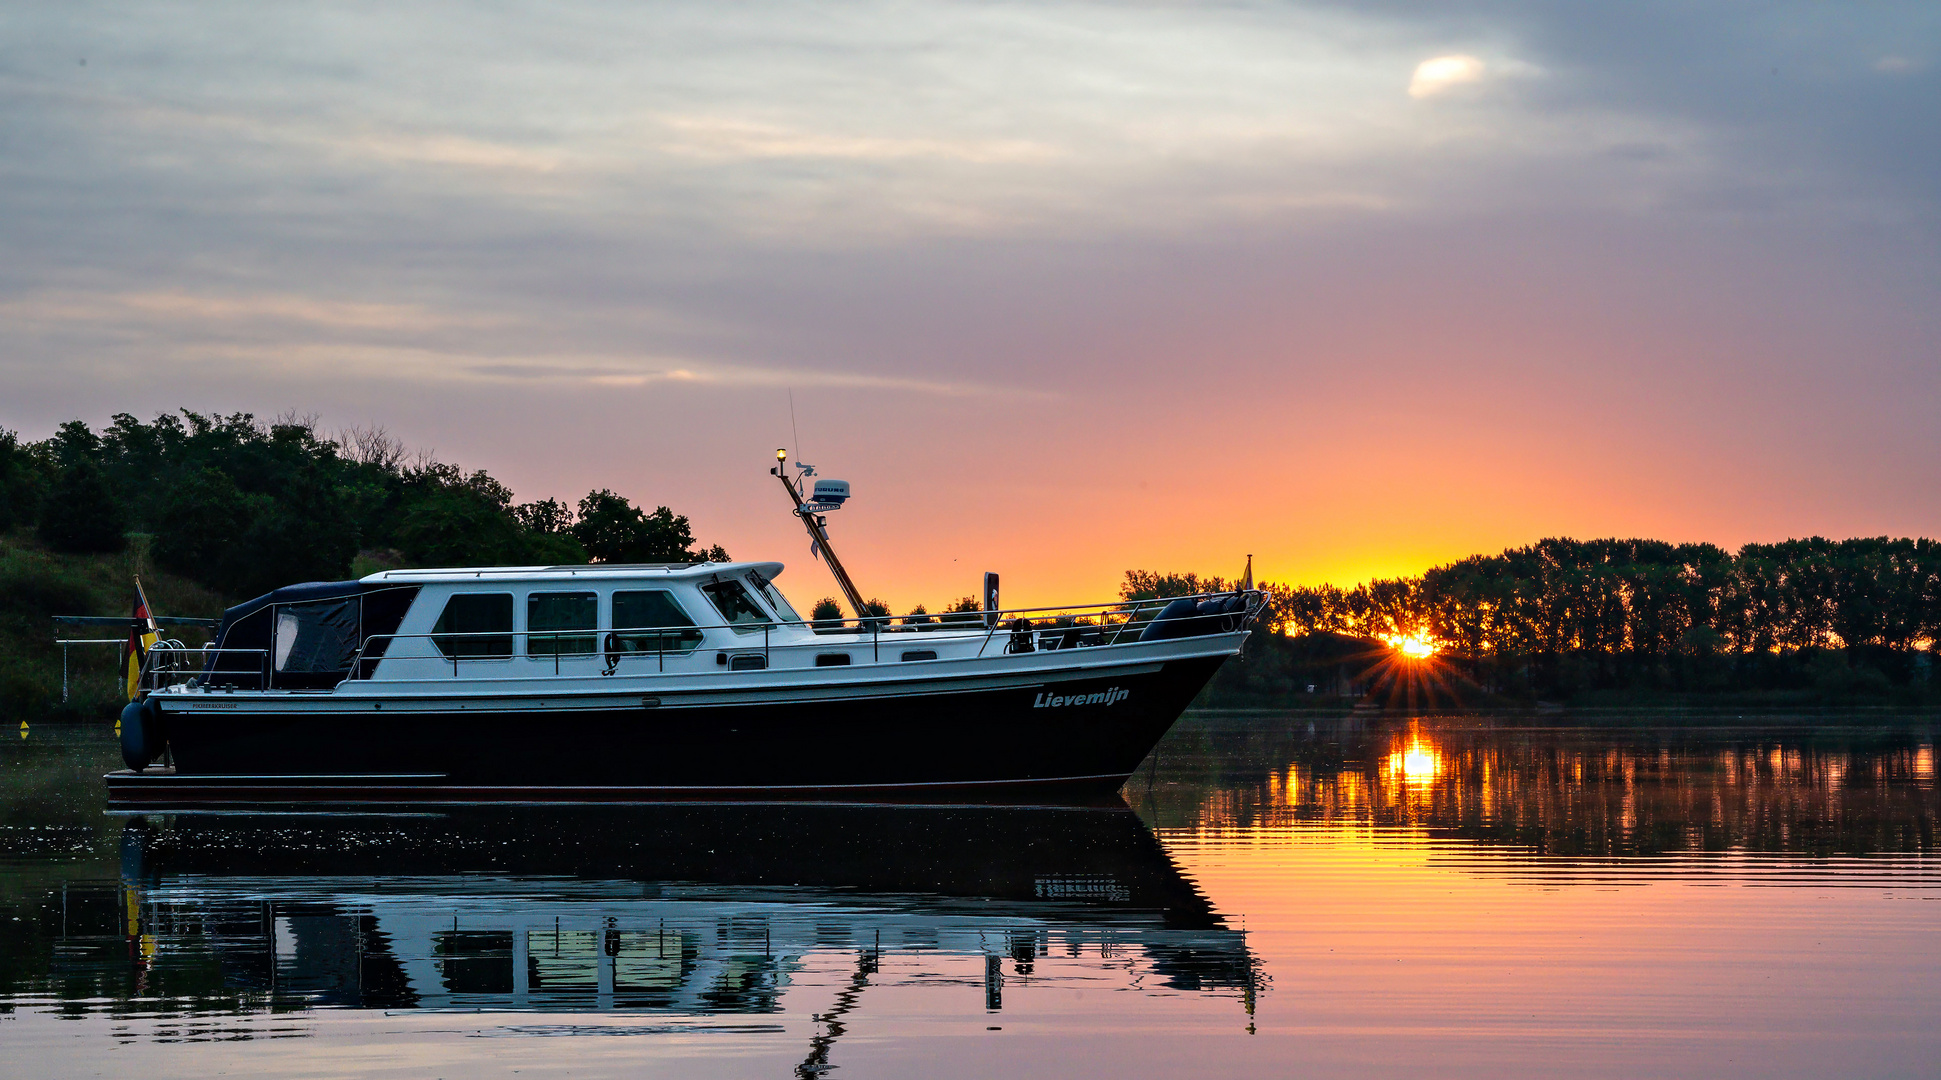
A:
[680, 909]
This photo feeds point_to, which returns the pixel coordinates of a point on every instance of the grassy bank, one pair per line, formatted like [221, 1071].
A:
[37, 584]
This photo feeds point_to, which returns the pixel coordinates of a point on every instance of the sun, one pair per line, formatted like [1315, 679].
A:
[1408, 669]
[1413, 646]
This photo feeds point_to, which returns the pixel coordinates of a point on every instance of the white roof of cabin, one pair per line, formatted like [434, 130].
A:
[590, 572]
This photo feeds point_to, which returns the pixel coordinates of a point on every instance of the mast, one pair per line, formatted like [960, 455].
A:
[818, 534]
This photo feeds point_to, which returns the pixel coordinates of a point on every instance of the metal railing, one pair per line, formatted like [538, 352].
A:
[162, 645]
[125, 623]
[1021, 630]
[170, 664]
[1013, 630]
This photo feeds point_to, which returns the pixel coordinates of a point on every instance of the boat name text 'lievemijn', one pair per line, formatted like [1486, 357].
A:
[1110, 696]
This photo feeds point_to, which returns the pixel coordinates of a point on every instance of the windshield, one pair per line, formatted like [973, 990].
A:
[737, 608]
[774, 596]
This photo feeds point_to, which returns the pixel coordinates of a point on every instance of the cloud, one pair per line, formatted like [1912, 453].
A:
[445, 150]
[701, 183]
[1439, 74]
[716, 137]
[329, 134]
[420, 364]
[623, 373]
[202, 309]
[868, 127]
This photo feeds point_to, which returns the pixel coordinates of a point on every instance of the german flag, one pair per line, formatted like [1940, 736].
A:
[142, 633]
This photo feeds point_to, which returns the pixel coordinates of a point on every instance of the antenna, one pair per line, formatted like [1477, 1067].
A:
[794, 434]
[827, 495]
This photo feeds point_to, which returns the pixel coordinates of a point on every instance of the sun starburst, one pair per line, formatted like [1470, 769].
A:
[1412, 646]
[1412, 672]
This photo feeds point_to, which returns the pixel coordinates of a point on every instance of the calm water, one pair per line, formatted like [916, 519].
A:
[1448, 897]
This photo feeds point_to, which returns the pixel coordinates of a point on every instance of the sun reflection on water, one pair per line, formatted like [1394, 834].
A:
[1416, 762]
[1592, 789]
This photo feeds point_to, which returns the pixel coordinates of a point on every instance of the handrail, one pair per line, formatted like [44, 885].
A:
[1113, 620]
[951, 620]
[1118, 616]
[124, 620]
[164, 659]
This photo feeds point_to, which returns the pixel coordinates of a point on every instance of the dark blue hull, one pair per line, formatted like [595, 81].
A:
[1061, 738]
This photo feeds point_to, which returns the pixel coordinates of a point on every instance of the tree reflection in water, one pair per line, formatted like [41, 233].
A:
[1581, 790]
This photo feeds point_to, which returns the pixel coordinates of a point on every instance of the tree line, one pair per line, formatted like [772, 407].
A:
[244, 505]
[1646, 597]
[1568, 615]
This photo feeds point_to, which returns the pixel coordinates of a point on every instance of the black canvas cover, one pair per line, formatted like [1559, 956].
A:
[315, 638]
[303, 637]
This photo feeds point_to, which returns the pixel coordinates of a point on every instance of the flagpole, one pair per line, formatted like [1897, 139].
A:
[142, 634]
[142, 596]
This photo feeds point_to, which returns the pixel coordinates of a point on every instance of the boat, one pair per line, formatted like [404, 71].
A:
[661, 681]
[672, 910]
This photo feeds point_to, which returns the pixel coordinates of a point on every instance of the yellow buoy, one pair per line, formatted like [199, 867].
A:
[23, 729]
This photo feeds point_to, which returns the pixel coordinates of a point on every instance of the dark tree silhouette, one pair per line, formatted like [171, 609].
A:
[613, 530]
[81, 513]
[826, 614]
[20, 483]
[244, 506]
[202, 525]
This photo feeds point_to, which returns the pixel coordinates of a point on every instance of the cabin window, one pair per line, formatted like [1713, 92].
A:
[776, 601]
[737, 608]
[832, 659]
[920, 654]
[475, 626]
[549, 617]
[650, 621]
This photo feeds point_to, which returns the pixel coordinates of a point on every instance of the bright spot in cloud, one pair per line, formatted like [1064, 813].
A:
[1893, 65]
[1440, 73]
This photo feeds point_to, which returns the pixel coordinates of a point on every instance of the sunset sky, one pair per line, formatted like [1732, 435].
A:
[1062, 289]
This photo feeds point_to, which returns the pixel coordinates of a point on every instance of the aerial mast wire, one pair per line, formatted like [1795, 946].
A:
[793, 433]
